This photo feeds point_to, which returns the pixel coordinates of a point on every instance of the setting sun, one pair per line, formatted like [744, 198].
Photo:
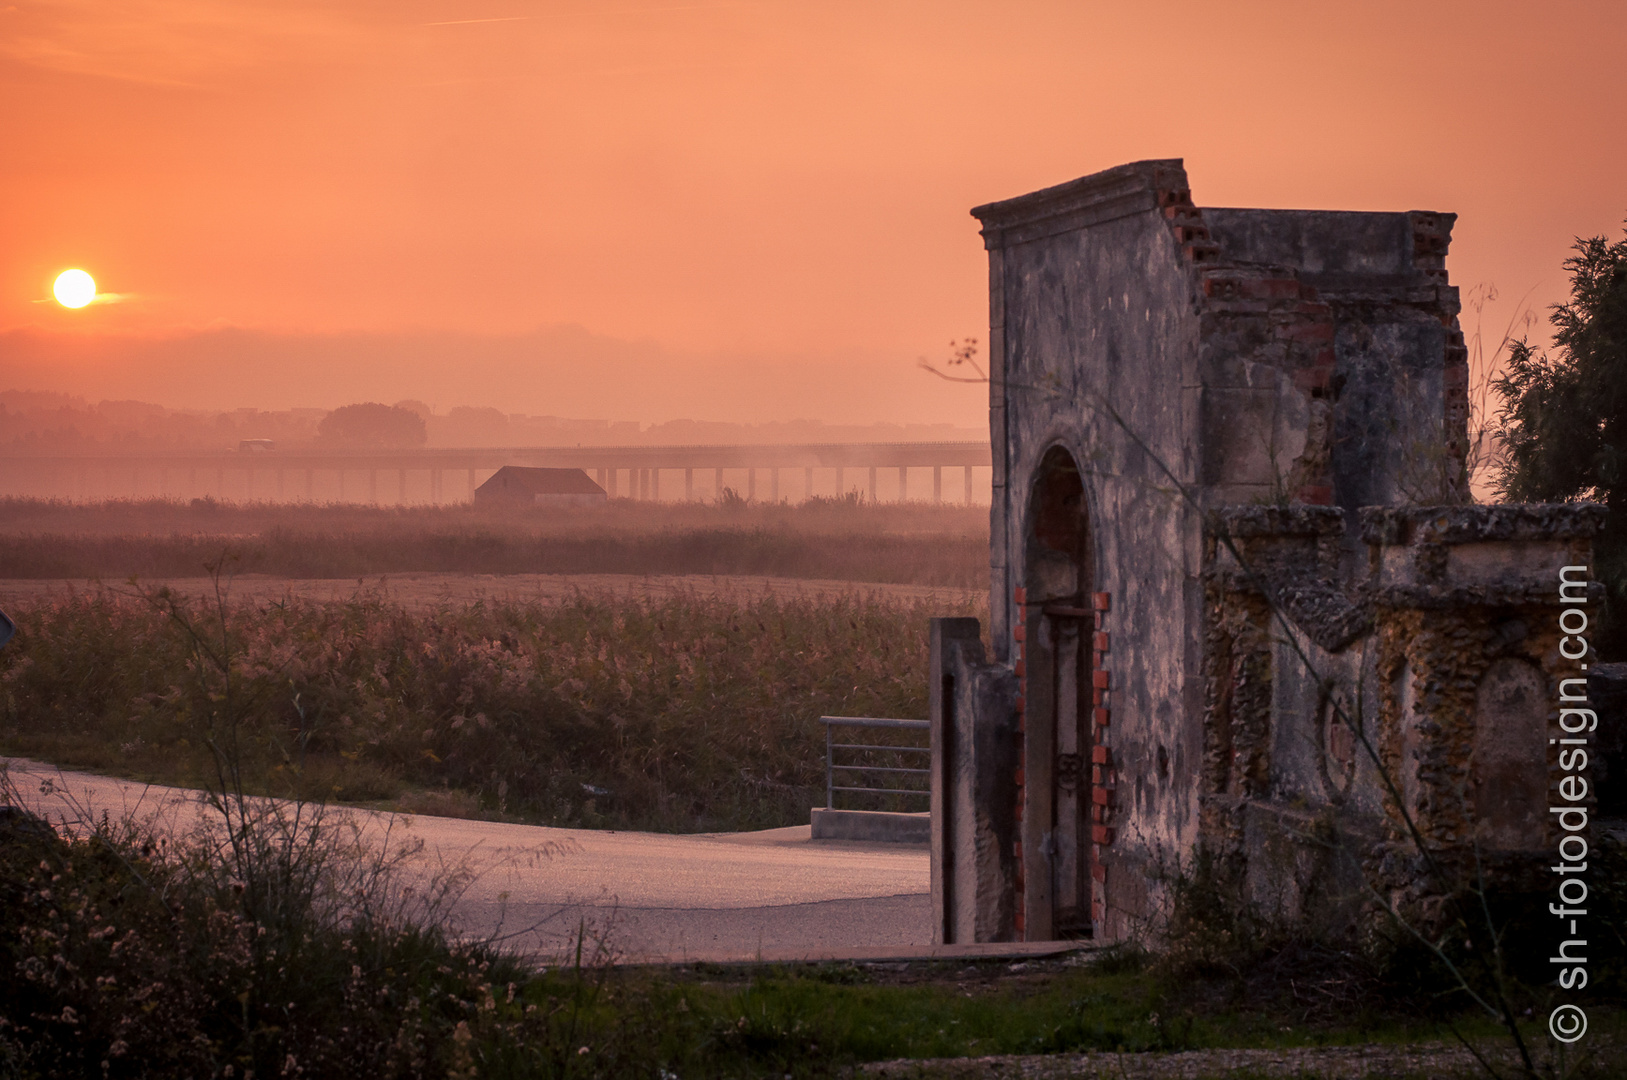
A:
[74, 288]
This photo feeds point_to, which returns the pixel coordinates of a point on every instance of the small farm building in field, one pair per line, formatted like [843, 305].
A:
[540, 487]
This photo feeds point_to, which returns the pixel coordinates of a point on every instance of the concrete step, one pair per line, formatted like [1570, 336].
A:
[879, 825]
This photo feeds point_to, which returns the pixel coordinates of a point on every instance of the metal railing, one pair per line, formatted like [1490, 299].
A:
[832, 768]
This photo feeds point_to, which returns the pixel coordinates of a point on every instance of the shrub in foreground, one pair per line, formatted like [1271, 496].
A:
[125, 956]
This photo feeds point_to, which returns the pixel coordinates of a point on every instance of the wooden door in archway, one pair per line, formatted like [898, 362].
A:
[1058, 630]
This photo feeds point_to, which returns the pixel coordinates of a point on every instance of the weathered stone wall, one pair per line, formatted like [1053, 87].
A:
[1094, 351]
[1188, 409]
[1447, 690]
[1352, 311]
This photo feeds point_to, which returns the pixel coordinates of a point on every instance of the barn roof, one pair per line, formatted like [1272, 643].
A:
[519, 478]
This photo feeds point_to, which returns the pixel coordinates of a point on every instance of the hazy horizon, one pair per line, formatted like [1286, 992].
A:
[742, 212]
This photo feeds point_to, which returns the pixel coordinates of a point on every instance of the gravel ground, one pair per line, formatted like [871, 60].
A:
[1429, 1061]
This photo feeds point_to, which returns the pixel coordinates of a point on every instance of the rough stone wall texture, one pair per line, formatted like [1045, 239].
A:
[1211, 397]
[1095, 352]
[973, 723]
[1451, 685]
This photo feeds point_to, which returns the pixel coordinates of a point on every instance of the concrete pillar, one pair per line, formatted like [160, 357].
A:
[903, 483]
[872, 483]
[774, 484]
[937, 483]
[972, 707]
[601, 479]
[655, 484]
[643, 484]
[751, 483]
[689, 485]
[968, 485]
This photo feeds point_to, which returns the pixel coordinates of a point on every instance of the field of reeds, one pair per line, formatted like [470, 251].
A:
[842, 539]
[687, 713]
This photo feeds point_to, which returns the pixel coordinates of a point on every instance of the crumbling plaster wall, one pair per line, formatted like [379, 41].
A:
[1191, 360]
[1445, 662]
[1094, 350]
[1353, 311]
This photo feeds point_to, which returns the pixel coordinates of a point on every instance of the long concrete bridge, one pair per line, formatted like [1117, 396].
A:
[880, 471]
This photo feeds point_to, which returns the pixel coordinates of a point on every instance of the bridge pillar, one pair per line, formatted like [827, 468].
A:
[689, 485]
[937, 483]
[751, 483]
[601, 479]
[968, 485]
[655, 484]
[872, 483]
[903, 483]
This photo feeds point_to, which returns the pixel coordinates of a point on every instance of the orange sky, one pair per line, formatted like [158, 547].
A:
[651, 209]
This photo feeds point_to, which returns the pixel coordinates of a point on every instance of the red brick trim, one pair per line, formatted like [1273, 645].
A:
[1102, 779]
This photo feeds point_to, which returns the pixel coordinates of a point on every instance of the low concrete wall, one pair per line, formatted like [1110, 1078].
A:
[871, 825]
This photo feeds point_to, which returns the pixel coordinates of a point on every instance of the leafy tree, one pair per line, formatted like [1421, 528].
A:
[370, 425]
[1563, 424]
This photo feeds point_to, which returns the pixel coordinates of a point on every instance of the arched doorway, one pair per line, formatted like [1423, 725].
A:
[1059, 577]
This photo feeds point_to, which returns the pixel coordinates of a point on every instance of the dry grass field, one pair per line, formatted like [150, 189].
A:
[635, 665]
[832, 539]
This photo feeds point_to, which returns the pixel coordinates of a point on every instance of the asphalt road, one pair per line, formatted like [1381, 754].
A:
[648, 896]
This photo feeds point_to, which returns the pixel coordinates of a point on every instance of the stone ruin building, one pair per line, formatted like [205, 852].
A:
[1229, 497]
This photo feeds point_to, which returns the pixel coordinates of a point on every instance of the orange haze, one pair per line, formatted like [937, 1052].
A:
[738, 210]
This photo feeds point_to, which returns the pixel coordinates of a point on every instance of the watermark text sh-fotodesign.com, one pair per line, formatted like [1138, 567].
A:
[1568, 803]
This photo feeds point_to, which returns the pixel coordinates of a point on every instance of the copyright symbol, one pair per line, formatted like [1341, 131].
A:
[1567, 1023]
